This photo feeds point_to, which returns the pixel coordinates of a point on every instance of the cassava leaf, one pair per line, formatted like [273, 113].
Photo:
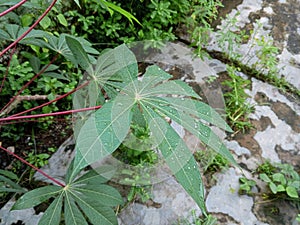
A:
[103, 133]
[5, 189]
[10, 183]
[96, 176]
[36, 196]
[96, 213]
[118, 63]
[78, 52]
[177, 155]
[174, 87]
[196, 108]
[101, 194]
[73, 215]
[195, 126]
[52, 215]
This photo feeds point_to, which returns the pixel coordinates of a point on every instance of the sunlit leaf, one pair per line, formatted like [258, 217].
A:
[103, 132]
[178, 157]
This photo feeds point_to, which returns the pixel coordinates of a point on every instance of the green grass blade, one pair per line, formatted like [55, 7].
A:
[52, 215]
[36, 196]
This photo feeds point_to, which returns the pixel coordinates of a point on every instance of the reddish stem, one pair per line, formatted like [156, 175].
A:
[28, 83]
[50, 114]
[48, 103]
[30, 28]
[33, 167]
[12, 8]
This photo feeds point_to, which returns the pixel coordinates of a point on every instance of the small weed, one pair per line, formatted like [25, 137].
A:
[211, 161]
[237, 107]
[285, 180]
[246, 186]
[207, 220]
[266, 168]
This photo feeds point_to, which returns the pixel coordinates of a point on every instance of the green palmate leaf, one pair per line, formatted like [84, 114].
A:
[96, 176]
[10, 183]
[177, 156]
[36, 197]
[5, 189]
[78, 52]
[73, 215]
[101, 194]
[103, 132]
[195, 108]
[195, 126]
[118, 63]
[53, 213]
[174, 87]
[97, 213]
[9, 174]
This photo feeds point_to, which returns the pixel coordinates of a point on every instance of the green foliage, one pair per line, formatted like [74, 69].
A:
[246, 186]
[86, 195]
[202, 13]
[211, 161]
[103, 132]
[267, 167]
[9, 183]
[285, 180]
[237, 107]
[207, 220]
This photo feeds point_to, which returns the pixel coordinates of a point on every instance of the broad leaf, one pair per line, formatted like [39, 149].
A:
[103, 132]
[195, 126]
[78, 52]
[73, 215]
[292, 192]
[97, 213]
[53, 213]
[196, 108]
[118, 64]
[177, 155]
[101, 194]
[36, 196]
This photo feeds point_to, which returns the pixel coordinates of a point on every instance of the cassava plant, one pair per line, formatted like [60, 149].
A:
[106, 104]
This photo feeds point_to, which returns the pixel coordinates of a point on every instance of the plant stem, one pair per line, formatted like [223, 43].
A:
[48, 103]
[28, 83]
[49, 114]
[12, 8]
[33, 167]
[29, 29]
